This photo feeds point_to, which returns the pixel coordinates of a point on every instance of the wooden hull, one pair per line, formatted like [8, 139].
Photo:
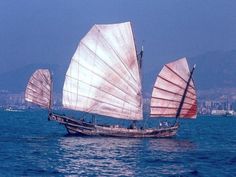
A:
[80, 127]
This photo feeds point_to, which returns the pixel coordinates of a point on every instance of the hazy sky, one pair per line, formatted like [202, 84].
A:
[37, 31]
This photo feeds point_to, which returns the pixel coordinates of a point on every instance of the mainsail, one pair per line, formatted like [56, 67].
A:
[38, 90]
[103, 76]
[172, 93]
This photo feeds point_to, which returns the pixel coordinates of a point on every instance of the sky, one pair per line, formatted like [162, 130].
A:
[40, 31]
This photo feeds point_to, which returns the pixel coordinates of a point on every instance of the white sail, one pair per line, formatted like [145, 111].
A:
[103, 76]
[169, 89]
[38, 90]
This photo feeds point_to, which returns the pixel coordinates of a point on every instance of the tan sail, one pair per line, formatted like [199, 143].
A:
[169, 89]
[103, 76]
[38, 90]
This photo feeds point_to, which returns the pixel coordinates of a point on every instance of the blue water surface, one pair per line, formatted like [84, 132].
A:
[32, 146]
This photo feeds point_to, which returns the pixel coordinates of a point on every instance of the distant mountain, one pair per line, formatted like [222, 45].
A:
[215, 70]
[16, 80]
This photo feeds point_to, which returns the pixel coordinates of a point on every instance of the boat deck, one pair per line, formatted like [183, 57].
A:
[80, 127]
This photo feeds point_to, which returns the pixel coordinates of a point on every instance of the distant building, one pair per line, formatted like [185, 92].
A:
[223, 112]
[218, 112]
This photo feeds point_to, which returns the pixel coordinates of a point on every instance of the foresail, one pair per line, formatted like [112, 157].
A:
[103, 76]
[169, 90]
[38, 90]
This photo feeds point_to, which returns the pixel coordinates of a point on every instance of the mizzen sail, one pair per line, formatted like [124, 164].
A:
[172, 96]
[38, 90]
[103, 76]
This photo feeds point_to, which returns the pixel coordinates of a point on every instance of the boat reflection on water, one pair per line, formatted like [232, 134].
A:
[98, 156]
[120, 156]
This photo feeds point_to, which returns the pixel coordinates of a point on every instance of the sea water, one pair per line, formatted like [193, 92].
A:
[30, 145]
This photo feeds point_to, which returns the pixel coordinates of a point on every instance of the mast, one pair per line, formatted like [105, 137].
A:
[139, 60]
[184, 95]
[140, 57]
[51, 94]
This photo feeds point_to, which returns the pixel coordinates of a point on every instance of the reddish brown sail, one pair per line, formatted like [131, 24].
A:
[38, 90]
[174, 93]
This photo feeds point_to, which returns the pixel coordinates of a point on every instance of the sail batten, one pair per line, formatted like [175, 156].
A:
[190, 85]
[167, 107]
[177, 101]
[117, 54]
[103, 89]
[110, 67]
[176, 73]
[33, 92]
[38, 89]
[169, 115]
[131, 102]
[43, 75]
[35, 80]
[103, 76]
[39, 101]
[107, 103]
[174, 93]
[174, 84]
[119, 57]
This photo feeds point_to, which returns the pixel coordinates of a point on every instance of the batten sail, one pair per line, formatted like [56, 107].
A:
[169, 89]
[103, 76]
[38, 90]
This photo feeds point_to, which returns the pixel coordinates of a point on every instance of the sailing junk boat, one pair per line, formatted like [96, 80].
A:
[104, 78]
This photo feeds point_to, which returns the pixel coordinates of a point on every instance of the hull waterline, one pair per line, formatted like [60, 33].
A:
[80, 127]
